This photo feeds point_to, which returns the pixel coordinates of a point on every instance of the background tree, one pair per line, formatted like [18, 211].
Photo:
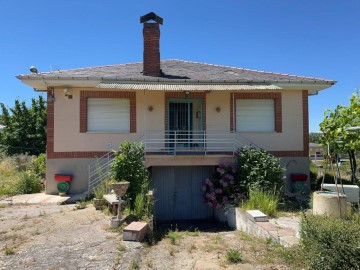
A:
[25, 128]
[338, 133]
[314, 137]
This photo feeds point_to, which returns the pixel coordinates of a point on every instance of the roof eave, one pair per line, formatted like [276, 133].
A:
[42, 82]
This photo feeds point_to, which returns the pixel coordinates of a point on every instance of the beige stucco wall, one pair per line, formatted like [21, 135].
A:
[69, 139]
[77, 167]
[291, 137]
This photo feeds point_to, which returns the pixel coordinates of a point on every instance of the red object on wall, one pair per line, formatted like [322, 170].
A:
[298, 177]
[63, 178]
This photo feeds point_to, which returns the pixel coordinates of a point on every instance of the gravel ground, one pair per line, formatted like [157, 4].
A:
[56, 237]
[59, 237]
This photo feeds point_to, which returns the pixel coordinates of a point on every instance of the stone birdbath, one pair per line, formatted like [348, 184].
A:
[120, 189]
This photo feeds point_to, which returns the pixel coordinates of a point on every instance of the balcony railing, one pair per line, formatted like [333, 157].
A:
[174, 142]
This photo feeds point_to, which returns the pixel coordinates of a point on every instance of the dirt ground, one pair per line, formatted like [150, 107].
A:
[59, 237]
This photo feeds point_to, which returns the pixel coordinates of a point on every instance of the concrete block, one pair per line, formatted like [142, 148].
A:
[351, 191]
[135, 231]
[256, 216]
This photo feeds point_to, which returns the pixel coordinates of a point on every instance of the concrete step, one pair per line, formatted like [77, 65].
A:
[135, 231]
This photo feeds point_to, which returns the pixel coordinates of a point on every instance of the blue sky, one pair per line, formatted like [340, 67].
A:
[311, 38]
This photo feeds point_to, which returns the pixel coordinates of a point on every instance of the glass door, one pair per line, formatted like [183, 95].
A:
[185, 124]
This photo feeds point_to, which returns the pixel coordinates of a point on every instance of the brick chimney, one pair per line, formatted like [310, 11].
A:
[151, 34]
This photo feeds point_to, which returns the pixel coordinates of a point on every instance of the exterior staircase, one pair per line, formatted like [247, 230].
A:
[99, 170]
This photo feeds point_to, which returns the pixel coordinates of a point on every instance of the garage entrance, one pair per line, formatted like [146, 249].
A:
[177, 192]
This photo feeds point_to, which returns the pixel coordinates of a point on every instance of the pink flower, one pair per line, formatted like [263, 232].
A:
[218, 190]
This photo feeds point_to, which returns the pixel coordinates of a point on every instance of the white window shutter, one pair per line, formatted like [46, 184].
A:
[108, 115]
[255, 115]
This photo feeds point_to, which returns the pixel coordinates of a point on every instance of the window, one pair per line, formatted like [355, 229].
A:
[107, 111]
[255, 115]
[108, 115]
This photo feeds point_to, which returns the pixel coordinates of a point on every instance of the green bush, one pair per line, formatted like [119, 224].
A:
[329, 243]
[28, 183]
[129, 166]
[256, 168]
[39, 164]
[265, 201]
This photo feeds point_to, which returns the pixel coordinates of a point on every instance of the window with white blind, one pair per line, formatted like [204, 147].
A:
[108, 115]
[255, 115]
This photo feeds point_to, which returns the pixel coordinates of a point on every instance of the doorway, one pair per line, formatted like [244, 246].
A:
[185, 118]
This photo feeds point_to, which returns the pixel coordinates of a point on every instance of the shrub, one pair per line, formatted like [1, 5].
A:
[315, 181]
[265, 201]
[39, 164]
[28, 183]
[257, 168]
[328, 243]
[101, 189]
[221, 189]
[139, 206]
[129, 166]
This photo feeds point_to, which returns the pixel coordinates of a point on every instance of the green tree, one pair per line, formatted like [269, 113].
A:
[338, 130]
[314, 137]
[25, 128]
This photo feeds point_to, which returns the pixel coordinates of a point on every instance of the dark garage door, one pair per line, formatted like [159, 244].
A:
[177, 192]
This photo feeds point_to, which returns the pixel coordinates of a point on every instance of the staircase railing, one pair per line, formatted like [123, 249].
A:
[99, 170]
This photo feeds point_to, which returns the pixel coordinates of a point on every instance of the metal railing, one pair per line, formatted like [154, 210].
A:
[175, 142]
[99, 170]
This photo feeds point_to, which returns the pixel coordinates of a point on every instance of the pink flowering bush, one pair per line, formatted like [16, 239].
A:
[221, 188]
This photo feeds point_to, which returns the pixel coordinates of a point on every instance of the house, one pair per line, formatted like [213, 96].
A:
[316, 151]
[190, 117]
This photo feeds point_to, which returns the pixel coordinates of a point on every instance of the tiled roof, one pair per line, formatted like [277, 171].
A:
[177, 70]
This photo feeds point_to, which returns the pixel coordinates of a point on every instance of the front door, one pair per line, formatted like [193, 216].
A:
[185, 124]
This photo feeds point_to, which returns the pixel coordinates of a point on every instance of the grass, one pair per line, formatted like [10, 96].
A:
[264, 201]
[9, 176]
[134, 265]
[9, 250]
[234, 256]
[195, 232]
[81, 204]
[174, 236]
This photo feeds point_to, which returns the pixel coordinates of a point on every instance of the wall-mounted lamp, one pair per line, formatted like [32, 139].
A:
[187, 93]
[68, 93]
[218, 109]
[150, 108]
[51, 98]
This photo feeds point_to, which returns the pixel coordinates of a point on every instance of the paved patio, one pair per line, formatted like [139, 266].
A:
[40, 198]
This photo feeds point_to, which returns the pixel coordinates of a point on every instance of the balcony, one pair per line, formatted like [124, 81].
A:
[192, 143]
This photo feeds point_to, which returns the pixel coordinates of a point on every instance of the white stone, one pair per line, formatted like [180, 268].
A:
[256, 216]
